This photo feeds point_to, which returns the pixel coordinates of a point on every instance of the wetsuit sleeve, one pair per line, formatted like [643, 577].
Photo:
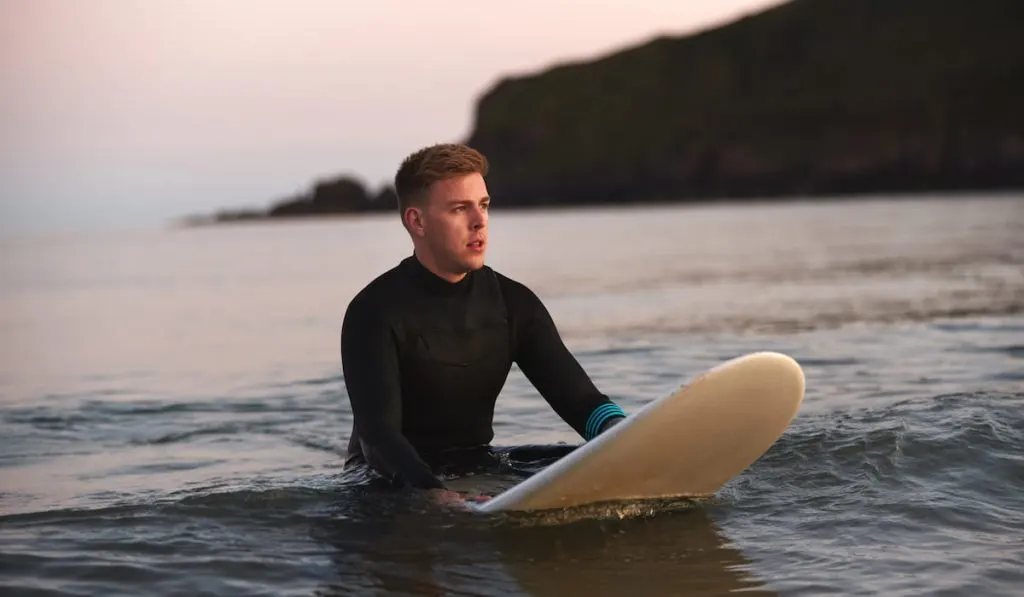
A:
[370, 366]
[553, 370]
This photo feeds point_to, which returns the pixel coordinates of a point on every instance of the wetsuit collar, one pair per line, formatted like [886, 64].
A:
[430, 281]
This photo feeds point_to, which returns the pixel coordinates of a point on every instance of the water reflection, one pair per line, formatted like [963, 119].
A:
[393, 544]
[680, 552]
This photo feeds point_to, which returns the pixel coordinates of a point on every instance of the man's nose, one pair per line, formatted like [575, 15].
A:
[479, 219]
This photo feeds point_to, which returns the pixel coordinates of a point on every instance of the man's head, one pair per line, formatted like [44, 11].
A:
[443, 201]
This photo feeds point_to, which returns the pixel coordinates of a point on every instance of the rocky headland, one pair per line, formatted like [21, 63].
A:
[809, 98]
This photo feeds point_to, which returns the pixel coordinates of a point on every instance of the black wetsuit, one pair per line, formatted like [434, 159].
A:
[424, 360]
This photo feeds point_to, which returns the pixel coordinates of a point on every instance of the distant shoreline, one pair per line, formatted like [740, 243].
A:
[497, 206]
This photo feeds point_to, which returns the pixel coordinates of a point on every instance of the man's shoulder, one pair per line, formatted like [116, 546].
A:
[505, 281]
[378, 294]
[514, 290]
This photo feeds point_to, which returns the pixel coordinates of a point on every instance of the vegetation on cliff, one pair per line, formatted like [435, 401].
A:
[809, 97]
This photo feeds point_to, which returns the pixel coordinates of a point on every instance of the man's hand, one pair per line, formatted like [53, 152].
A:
[446, 497]
[449, 498]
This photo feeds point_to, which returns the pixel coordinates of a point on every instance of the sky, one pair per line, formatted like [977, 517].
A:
[127, 112]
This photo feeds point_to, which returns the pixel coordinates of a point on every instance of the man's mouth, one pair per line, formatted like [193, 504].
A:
[476, 245]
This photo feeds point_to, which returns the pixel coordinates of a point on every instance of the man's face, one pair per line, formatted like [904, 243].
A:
[454, 223]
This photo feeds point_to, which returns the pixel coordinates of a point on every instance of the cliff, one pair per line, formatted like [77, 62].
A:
[811, 97]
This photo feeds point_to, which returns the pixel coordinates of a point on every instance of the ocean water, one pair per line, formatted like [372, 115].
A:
[174, 418]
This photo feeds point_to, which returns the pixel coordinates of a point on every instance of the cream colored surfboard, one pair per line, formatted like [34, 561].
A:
[687, 444]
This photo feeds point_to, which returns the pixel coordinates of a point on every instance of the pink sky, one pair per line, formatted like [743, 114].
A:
[117, 111]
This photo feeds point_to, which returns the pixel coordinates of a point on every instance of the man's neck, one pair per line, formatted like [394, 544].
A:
[430, 264]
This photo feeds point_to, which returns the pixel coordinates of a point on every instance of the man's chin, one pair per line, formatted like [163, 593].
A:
[473, 263]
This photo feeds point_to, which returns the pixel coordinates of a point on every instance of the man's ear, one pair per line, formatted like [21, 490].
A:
[413, 218]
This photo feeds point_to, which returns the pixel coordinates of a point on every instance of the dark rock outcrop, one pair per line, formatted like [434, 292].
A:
[810, 97]
[336, 196]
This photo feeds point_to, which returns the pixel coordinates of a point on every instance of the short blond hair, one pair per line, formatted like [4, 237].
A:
[434, 163]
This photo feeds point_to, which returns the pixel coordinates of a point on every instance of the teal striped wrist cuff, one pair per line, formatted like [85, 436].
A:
[598, 418]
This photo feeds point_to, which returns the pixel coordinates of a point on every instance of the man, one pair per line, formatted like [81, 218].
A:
[426, 347]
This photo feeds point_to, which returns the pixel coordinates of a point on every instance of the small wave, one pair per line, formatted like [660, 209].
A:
[45, 420]
[1008, 376]
[779, 273]
[229, 500]
[69, 516]
[150, 407]
[976, 419]
[60, 397]
[956, 444]
[103, 417]
[158, 468]
[189, 434]
[315, 443]
[825, 316]
[978, 326]
[1011, 350]
[213, 404]
[282, 497]
[812, 362]
[1016, 350]
[311, 382]
[617, 351]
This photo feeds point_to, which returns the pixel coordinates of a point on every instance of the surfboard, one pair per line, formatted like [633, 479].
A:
[684, 445]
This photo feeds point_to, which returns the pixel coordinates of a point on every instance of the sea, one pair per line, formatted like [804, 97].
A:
[174, 417]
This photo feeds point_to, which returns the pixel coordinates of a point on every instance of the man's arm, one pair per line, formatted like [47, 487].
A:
[554, 371]
[370, 366]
